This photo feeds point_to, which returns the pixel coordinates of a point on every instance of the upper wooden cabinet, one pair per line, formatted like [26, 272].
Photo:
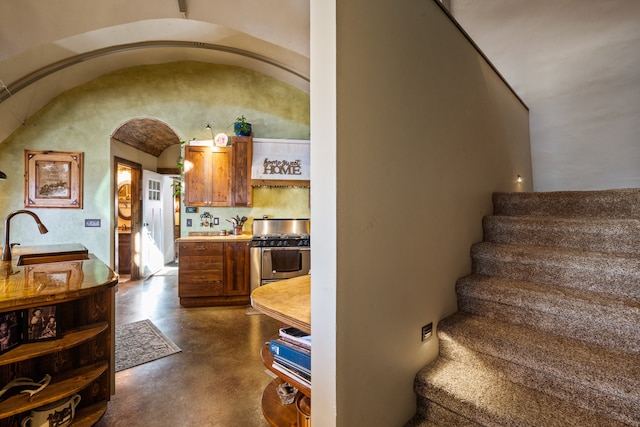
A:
[219, 176]
[242, 155]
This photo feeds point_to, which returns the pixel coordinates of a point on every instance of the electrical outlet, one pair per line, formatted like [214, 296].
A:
[426, 331]
[189, 222]
[216, 221]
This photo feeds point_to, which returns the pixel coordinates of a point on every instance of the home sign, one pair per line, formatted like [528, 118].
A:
[281, 159]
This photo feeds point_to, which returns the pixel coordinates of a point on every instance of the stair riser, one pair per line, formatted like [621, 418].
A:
[611, 337]
[601, 369]
[584, 312]
[598, 204]
[614, 277]
[436, 415]
[579, 394]
[580, 235]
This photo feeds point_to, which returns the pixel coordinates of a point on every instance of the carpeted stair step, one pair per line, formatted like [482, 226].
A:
[584, 374]
[608, 321]
[599, 272]
[586, 234]
[430, 414]
[621, 203]
[483, 395]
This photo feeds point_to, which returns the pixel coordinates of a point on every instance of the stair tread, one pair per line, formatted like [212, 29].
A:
[493, 401]
[615, 203]
[516, 251]
[606, 370]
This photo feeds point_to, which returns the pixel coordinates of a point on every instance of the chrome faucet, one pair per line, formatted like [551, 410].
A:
[6, 249]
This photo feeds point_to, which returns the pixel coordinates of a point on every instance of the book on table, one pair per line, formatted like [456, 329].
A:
[292, 353]
[303, 372]
[294, 374]
[296, 336]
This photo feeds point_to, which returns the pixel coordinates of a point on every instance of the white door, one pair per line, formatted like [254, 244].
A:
[151, 241]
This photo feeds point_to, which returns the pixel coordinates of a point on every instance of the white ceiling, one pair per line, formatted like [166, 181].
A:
[47, 47]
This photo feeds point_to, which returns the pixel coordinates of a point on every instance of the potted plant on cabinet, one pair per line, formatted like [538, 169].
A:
[241, 127]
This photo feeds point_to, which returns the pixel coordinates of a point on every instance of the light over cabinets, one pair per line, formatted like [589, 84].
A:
[219, 176]
[213, 273]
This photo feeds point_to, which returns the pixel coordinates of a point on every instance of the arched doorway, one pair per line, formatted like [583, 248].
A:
[139, 186]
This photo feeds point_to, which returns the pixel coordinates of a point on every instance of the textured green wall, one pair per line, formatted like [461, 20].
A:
[186, 96]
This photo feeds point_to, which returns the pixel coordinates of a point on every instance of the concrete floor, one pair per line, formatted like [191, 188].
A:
[217, 379]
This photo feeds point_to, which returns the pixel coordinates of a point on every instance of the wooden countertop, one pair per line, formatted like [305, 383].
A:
[215, 238]
[51, 283]
[288, 301]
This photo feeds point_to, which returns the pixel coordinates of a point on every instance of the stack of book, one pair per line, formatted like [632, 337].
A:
[292, 354]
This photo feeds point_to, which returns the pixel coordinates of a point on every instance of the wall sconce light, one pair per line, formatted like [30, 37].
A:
[3, 175]
[519, 179]
[210, 130]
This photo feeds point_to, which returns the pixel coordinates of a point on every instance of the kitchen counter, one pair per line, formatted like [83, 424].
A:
[288, 301]
[53, 282]
[206, 236]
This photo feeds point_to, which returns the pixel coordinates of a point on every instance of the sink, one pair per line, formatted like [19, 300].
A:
[29, 255]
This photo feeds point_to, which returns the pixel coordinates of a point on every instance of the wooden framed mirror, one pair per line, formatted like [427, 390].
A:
[124, 200]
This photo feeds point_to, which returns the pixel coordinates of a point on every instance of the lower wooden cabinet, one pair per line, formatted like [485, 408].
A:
[124, 253]
[213, 273]
[79, 363]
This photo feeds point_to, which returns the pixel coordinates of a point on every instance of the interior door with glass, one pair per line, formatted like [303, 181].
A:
[151, 237]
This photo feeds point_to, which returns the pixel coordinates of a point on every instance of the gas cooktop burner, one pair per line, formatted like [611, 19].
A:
[280, 233]
[280, 236]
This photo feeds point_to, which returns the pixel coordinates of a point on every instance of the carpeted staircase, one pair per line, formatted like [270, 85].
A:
[548, 327]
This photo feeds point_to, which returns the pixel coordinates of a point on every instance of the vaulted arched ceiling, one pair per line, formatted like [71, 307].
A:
[49, 47]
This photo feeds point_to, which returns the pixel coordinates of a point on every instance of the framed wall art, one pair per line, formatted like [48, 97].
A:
[53, 179]
[10, 330]
[41, 323]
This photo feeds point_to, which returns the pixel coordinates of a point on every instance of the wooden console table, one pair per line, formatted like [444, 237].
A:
[288, 301]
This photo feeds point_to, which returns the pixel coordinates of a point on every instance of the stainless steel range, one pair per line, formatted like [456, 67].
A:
[280, 249]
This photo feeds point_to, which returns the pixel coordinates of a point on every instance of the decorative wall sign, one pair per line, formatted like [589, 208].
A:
[53, 179]
[281, 159]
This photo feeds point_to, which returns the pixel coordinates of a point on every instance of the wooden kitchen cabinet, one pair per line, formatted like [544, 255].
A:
[213, 273]
[219, 176]
[124, 252]
[207, 176]
[242, 157]
[236, 268]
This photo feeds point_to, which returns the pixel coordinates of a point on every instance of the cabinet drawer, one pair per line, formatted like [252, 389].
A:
[201, 276]
[199, 289]
[200, 249]
[198, 263]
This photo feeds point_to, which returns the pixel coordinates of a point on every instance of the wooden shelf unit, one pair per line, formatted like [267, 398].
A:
[81, 360]
[290, 302]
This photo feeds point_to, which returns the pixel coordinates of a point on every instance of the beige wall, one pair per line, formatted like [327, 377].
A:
[575, 63]
[185, 95]
[425, 132]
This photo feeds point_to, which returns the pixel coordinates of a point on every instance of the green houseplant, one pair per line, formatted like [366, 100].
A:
[177, 184]
[241, 127]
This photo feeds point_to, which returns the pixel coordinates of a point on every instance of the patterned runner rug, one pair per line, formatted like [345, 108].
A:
[141, 342]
